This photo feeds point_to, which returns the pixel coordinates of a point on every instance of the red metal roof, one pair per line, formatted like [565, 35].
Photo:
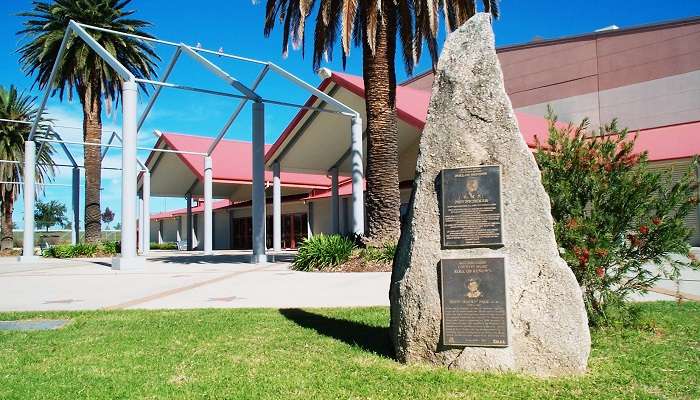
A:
[670, 142]
[663, 143]
[411, 107]
[232, 161]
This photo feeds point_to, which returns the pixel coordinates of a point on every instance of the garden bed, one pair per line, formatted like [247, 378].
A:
[359, 264]
[83, 250]
[338, 253]
[11, 253]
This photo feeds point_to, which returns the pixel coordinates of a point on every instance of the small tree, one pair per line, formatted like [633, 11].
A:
[48, 214]
[619, 225]
[107, 216]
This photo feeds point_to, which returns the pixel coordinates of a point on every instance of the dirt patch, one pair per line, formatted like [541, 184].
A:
[359, 264]
[10, 253]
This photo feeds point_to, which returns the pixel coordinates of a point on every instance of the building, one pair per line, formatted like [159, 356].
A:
[181, 175]
[648, 77]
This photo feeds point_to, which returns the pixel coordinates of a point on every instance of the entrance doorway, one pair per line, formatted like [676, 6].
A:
[294, 231]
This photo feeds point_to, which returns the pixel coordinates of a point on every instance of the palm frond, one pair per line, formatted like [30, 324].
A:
[20, 107]
[356, 23]
[349, 12]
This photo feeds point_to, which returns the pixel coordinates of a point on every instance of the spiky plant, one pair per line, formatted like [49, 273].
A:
[19, 107]
[82, 70]
[374, 25]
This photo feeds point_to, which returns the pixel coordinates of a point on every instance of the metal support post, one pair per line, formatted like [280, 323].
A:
[258, 194]
[146, 193]
[358, 203]
[29, 172]
[188, 223]
[208, 225]
[75, 236]
[276, 208]
[128, 258]
[335, 201]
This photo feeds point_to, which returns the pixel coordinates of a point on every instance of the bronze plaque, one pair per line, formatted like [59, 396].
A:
[471, 207]
[474, 306]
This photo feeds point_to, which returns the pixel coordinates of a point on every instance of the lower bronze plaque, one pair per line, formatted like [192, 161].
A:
[474, 307]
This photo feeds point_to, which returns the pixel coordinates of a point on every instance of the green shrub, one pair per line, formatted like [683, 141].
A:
[85, 250]
[619, 225]
[163, 246]
[380, 254]
[110, 247]
[60, 251]
[82, 250]
[323, 251]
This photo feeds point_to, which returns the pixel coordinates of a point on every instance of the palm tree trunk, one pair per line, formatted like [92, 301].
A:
[92, 133]
[383, 197]
[8, 204]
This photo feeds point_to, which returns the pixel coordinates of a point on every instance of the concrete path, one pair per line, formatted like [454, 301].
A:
[174, 281]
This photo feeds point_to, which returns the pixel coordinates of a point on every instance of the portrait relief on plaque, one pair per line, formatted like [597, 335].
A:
[471, 213]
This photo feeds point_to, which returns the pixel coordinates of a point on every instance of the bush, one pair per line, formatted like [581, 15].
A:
[380, 254]
[323, 251]
[163, 246]
[83, 250]
[111, 247]
[619, 225]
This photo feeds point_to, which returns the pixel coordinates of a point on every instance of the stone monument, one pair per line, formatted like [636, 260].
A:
[478, 283]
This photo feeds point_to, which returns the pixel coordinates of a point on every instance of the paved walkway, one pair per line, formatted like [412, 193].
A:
[172, 280]
[175, 281]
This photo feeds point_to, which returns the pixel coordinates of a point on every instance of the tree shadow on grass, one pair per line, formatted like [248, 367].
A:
[369, 338]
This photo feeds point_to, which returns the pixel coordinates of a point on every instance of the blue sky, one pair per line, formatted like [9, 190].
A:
[236, 26]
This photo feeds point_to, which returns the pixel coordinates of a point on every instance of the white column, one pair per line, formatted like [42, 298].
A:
[160, 232]
[358, 202]
[75, 236]
[276, 207]
[335, 201]
[189, 229]
[29, 171]
[310, 220]
[178, 233]
[141, 226]
[128, 258]
[208, 225]
[146, 192]
[230, 229]
[259, 183]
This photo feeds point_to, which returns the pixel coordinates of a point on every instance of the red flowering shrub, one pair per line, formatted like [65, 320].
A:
[619, 225]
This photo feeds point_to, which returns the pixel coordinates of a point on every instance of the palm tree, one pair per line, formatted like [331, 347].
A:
[83, 70]
[19, 107]
[375, 24]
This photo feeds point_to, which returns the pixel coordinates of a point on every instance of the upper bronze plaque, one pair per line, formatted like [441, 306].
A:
[471, 207]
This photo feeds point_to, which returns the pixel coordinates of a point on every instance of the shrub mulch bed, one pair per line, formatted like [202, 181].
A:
[359, 264]
[10, 253]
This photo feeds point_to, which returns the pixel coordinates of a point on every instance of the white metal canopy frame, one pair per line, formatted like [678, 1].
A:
[50, 132]
[131, 126]
[75, 182]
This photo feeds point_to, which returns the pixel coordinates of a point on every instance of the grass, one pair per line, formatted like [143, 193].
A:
[310, 354]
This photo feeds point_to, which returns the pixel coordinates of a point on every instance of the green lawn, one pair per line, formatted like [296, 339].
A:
[309, 354]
